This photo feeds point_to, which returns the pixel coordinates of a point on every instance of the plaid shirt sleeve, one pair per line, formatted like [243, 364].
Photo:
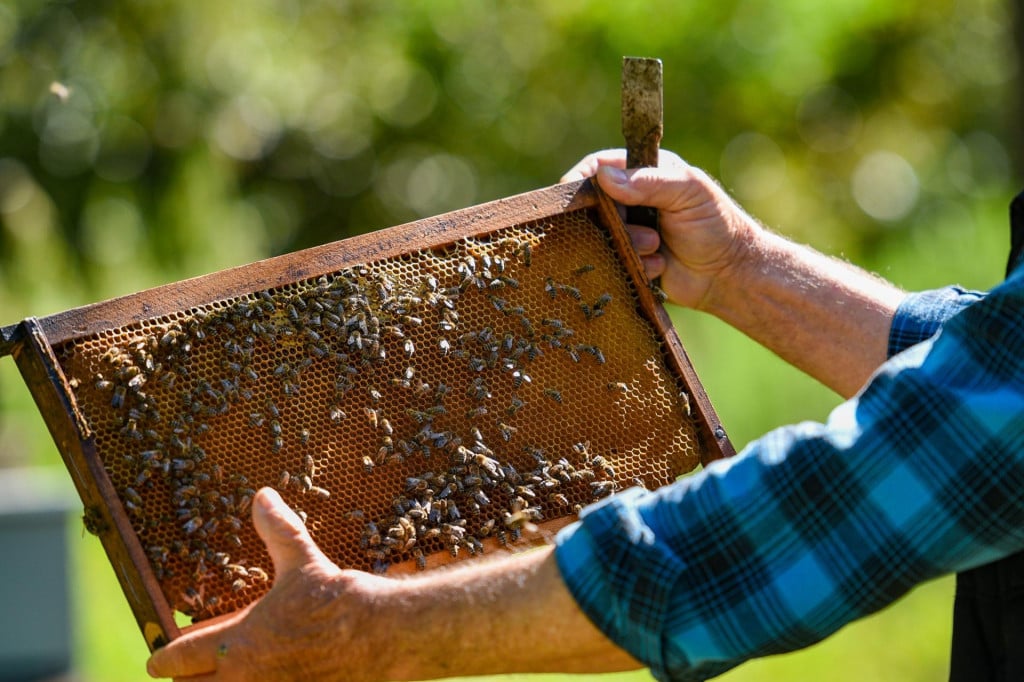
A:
[816, 525]
[920, 315]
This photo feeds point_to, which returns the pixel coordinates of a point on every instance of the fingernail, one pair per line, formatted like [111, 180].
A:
[615, 175]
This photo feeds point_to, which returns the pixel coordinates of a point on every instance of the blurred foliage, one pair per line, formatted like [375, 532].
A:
[144, 141]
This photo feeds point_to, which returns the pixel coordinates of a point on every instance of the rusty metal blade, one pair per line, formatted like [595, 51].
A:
[642, 122]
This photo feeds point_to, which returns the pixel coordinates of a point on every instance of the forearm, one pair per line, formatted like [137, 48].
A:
[822, 315]
[504, 616]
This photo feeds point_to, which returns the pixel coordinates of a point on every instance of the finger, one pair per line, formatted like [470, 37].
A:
[195, 653]
[588, 165]
[654, 265]
[288, 542]
[645, 240]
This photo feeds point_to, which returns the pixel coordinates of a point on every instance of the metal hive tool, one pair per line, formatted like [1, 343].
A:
[421, 394]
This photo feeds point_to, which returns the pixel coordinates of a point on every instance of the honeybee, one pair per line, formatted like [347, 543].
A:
[525, 491]
[414, 484]
[235, 570]
[478, 389]
[488, 464]
[553, 394]
[506, 431]
[486, 528]
[572, 291]
[92, 521]
[500, 304]
[371, 415]
[519, 518]
[601, 463]
[371, 535]
[560, 499]
[659, 294]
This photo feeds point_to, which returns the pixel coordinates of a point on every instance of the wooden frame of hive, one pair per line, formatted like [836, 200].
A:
[37, 345]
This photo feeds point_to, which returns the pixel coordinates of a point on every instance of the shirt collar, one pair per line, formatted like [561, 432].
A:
[1016, 232]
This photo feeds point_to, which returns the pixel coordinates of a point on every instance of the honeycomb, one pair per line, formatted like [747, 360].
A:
[413, 410]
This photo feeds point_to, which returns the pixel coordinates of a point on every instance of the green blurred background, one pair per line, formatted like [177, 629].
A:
[145, 141]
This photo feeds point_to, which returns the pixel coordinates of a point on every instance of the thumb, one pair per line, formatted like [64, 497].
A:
[670, 188]
[283, 532]
[616, 183]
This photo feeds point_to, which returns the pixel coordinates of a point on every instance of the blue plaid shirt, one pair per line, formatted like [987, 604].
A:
[816, 525]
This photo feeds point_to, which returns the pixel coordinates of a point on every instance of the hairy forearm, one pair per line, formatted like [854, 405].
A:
[505, 616]
[822, 315]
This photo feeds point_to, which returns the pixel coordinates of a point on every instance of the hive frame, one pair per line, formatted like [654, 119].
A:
[31, 343]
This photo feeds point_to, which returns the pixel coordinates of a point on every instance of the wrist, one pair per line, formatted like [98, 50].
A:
[750, 250]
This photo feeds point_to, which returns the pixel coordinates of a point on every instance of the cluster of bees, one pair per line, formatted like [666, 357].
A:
[457, 507]
[413, 374]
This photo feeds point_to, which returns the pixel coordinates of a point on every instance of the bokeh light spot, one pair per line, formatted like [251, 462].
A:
[753, 166]
[885, 186]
